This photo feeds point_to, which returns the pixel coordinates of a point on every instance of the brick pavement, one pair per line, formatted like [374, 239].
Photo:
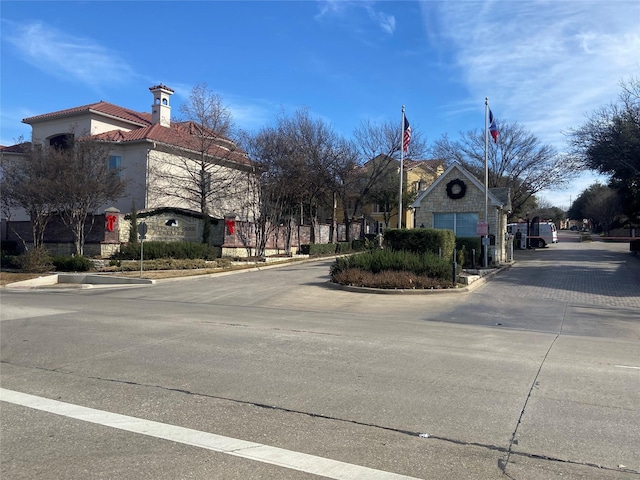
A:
[588, 273]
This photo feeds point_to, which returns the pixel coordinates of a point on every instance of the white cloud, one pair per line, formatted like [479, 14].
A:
[345, 10]
[386, 22]
[543, 64]
[65, 56]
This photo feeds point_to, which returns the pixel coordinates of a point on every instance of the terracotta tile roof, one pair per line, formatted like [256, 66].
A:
[109, 109]
[179, 134]
[160, 85]
[176, 136]
[18, 148]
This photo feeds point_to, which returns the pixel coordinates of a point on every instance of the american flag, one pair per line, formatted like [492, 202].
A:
[493, 130]
[406, 136]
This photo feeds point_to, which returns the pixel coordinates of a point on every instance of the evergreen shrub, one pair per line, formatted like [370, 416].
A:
[8, 261]
[465, 247]
[318, 248]
[176, 250]
[420, 240]
[67, 263]
[343, 247]
[422, 264]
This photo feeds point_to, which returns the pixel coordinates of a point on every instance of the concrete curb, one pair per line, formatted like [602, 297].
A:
[76, 280]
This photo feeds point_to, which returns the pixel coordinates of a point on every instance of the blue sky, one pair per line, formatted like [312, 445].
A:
[543, 64]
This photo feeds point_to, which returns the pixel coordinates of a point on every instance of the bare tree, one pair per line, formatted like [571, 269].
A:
[82, 183]
[367, 166]
[518, 161]
[268, 200]
[202, 168]
[313, 145]
[26, 183]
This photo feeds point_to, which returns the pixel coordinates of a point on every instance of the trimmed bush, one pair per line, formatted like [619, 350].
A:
[64, 263]
[422, 264]
[421, 240]
[343, 247]
[318, 249]
[176, 250]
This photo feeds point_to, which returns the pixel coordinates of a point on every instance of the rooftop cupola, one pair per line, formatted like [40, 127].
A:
[161, 110]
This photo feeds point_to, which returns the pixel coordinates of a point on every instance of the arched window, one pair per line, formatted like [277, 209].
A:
[63, 141]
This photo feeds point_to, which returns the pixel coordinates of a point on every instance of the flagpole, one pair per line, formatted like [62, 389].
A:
[401, 162]
[485, 240]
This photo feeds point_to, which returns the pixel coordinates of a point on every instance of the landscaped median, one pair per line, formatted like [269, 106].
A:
[413, 261]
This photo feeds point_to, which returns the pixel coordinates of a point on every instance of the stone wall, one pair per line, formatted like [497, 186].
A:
[111, 229]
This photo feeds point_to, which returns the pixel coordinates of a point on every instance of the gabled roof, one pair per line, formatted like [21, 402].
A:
[139, 119]
[504, 195]
[408, 164]
[177, 136]
[493, 199]
[429, 164]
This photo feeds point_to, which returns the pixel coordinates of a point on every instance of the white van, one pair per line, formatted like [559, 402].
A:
[540, 234]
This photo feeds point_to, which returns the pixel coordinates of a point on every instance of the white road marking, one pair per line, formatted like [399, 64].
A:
[232, 446]
[627, 366]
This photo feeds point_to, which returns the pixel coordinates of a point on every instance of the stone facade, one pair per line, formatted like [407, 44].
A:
[437, 199]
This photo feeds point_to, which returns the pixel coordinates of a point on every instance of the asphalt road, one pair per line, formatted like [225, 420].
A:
[273, 375]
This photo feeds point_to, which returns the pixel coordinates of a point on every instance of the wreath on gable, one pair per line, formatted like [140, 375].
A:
[456, 189]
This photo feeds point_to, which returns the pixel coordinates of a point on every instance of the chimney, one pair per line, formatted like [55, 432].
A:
[161, 110]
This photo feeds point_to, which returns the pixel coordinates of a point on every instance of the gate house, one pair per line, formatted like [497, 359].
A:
[456, 201]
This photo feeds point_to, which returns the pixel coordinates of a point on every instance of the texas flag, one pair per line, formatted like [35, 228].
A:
[493, 130]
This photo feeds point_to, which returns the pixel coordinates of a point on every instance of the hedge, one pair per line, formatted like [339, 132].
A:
[420, 240]
[177, 250]
[424, 264]
[67, 263]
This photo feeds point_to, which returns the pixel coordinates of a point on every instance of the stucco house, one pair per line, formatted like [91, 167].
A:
[456, 201]
[151, 151]
[161, 161]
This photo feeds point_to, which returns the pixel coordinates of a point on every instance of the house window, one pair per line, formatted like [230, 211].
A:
[115, 163]
[377, 208]
[462, 224]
